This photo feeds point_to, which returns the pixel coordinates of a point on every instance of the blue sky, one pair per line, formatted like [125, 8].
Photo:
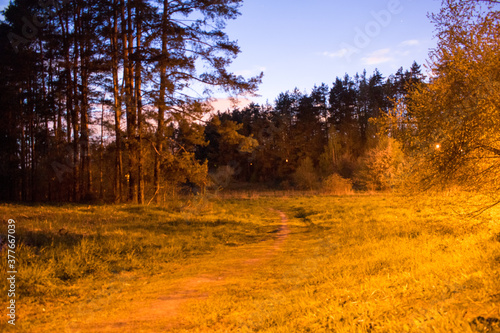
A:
[299, 43]
[302, 43]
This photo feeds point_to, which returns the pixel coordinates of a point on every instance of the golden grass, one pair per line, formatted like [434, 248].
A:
[376, 263]
[361, 264]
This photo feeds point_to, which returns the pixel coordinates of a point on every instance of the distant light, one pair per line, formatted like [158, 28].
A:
[286, 160]
[438, 146]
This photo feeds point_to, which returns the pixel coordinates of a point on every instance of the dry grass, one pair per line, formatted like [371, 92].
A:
[350, 264]
[368, 264]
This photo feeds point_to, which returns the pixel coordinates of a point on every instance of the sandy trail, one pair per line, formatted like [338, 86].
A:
[167, 308]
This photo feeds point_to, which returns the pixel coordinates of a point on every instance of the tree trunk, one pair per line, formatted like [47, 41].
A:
[75, 113]
[128, 75]
[138, 96]
[161, 103]
[101, 153]
[117, 188]
[69, 89]
[86, 181]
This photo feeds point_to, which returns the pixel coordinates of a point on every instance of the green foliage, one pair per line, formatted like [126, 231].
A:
[330, 125]
[228, 131]
[382, 167]
[153, 61]
[454, 119]
[335, 184]
[222, 177]
[305, 177]
[184, 168]
[164, 142]
[227, 145]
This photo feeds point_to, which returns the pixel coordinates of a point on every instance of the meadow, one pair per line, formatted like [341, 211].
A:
[357, 263]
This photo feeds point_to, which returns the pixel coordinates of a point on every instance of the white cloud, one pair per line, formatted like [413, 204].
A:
[410, 42]
[337, 54]
[378, 57]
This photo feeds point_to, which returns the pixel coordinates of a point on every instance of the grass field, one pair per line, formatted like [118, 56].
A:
[356, 263]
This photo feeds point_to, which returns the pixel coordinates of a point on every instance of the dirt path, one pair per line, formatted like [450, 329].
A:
[167, 308]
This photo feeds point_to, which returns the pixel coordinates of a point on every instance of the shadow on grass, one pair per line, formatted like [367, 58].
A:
[247, 232]
[46, 238]
[304, 214]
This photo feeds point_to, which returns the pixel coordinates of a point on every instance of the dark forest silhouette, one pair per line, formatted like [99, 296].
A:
[105, 100]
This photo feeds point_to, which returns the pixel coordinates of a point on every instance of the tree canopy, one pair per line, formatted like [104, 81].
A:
[122, 114]
[456, 116]
[142, 70]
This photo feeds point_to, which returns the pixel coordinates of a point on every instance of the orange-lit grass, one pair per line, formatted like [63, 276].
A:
[368, 264]
[350, 264]
[80, 262]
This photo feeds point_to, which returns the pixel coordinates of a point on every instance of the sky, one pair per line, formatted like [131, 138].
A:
[303, 43]
[299, 43]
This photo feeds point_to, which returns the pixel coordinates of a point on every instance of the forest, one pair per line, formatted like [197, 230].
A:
[128, 203]
[79, 105]
[123, 114]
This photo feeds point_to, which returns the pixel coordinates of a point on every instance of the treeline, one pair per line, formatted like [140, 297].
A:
[305, 138]
[99, 98]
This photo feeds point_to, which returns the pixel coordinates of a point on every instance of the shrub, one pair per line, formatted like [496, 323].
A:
[335, 184]
[223, 176]
[305, 176]
[382, 166]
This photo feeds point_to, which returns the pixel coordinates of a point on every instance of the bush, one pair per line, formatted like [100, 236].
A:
[305, 176]
[222, 177]
[335, 184]
[382, 166]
